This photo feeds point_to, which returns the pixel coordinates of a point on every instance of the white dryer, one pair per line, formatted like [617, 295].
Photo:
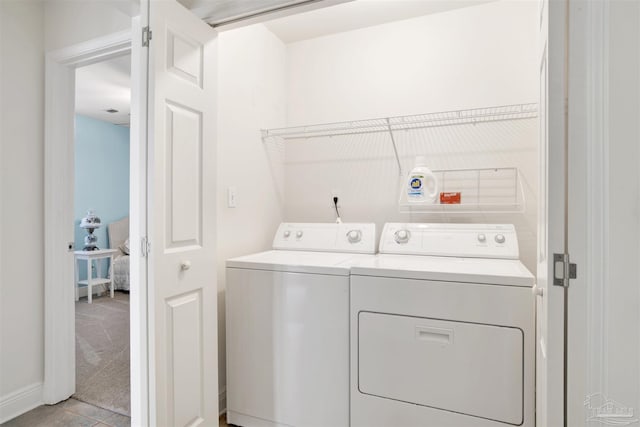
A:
[443, 329]
[287, 317]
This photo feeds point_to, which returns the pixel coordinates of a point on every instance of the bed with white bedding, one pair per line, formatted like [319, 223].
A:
[118, 233]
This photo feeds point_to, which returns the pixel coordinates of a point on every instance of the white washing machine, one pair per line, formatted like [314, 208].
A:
[443, 329]
[288, 327]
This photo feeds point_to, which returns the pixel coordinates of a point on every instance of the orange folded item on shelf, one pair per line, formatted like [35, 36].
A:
[451, 198]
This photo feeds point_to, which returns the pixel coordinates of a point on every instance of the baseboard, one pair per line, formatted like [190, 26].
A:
[222, 401]
[20, 401]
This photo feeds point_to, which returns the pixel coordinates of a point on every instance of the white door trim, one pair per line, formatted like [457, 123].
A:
[550, 369]
[59, 355]
[138, 217]
[588, 213]
[595, 240]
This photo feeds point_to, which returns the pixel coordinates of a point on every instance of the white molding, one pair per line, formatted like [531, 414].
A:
[587, 207]
[20, 401]
[59, 340]
[1, 164]
[550, 372]
[138, 297]
[597, 204]
[95, 50]
[605, 161]
[59, 316]
[222, 400]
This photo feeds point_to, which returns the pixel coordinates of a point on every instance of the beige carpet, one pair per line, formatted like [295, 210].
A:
[102, 352]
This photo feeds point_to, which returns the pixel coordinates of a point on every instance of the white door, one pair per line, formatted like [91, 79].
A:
[604, 233]
[182, 317]
[551, 216]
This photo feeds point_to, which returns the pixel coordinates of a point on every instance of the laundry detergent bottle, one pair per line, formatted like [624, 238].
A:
[422, 186]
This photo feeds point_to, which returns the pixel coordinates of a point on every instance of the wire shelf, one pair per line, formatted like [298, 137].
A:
[418, 121]
[491, 190]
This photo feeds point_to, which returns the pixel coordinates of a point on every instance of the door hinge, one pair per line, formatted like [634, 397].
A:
[146, 36]
[145, 246]
[563, 270]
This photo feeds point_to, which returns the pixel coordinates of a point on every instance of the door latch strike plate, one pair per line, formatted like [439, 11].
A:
[146, 36]
[145, 246]
[563, 270]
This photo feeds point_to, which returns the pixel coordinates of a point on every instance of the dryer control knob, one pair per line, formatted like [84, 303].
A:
[482, 238]
[354, 236]
[500, 238]
[286, 234]
[299, 234]
[402, 236]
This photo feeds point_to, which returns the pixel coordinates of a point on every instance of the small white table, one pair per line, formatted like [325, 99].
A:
[89, 256]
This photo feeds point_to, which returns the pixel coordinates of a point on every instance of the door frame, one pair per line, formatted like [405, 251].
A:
[588, 206]
[550, 347]
[59, 311]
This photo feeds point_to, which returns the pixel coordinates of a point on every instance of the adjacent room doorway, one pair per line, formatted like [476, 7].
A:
[101, 188]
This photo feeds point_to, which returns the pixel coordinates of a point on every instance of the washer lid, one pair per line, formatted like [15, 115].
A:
[447, 269]
[332, 263]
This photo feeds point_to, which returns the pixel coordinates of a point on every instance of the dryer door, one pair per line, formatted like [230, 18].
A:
[468, 368]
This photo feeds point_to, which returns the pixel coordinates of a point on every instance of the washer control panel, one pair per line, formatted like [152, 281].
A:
[457, 240]
[326, 237]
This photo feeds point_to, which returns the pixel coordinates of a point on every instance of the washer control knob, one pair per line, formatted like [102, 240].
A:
[299, 234]
[482, 238]
[402, 236]
[500, 238]
[286, 234]
[354, 236]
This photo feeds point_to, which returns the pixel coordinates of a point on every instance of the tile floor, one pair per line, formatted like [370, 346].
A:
[102, 352]
[70, 413]
[74, 413]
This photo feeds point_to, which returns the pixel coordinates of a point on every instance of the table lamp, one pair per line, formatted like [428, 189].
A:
[90, 223]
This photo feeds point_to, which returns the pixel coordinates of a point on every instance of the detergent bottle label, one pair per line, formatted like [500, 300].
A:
[416, 186]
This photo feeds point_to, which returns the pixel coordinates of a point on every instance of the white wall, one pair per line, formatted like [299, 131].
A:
[466, 58]
[29, 28]
[251, 97]
[21, 226]
[68, 22]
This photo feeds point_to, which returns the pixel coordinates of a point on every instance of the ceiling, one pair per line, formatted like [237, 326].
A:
[358, 14]
[103, 86]
[107, 85]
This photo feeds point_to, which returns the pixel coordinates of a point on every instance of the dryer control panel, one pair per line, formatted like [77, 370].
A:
[498, 241]
[326, 237]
